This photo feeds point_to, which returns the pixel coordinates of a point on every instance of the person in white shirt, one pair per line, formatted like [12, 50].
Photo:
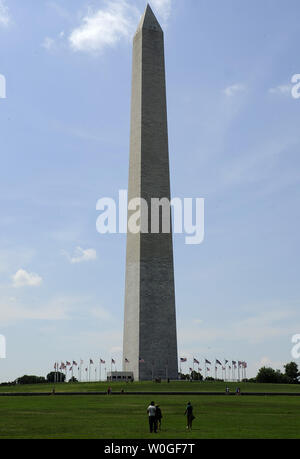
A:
[151, 410]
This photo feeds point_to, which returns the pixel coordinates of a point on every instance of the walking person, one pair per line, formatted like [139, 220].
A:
[151, 410]
[158, 415]
[189, 416]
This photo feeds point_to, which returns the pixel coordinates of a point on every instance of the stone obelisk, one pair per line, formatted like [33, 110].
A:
[150, 336]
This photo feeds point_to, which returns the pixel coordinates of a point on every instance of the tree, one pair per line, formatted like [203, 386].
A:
[267, 375]
[196, 376]
[56, 376]
[32, 379]
[291, 372]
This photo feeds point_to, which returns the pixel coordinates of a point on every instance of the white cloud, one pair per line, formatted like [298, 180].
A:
[48, 43]
[198, 321]
[105, 27]
[60, 307]
[4, 14]
[230, 91]
[12, 311]
[256, 329]
[101, 313]
[51, 44]
[248, 166]
[18, 255]
[59, 10]
[162, 7]
[22, 279]
[284, 89]
[81, 255]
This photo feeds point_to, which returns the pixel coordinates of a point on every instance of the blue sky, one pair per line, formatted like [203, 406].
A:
[234, 140]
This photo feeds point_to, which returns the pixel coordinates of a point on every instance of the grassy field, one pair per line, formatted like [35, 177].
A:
[125, 417]
[121, 417]
[175, 386]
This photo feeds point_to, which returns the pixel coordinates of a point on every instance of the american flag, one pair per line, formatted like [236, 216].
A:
[208, 369]
[226, 361]
[191, 369]
[91, 362]
[142, 360]
[233, 362]
[102, 361]
[196, 361]
[113, 361]
[71, 368]
[218, 362]
[126, 361]
[74, 363]
[68, 363]
[183, 359]
[207, 361]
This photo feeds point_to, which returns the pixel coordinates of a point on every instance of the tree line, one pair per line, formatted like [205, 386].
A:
[291, 375]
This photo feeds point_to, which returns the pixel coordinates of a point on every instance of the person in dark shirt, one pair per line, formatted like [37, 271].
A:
[189, 416]
[158, 415]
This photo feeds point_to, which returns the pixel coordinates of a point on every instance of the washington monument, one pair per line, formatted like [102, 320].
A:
[150, 337]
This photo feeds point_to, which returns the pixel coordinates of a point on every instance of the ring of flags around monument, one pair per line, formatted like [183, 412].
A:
[234, 370]
[90, 371]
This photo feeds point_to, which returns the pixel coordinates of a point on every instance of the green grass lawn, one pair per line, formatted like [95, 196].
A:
[174, 386]
[122, 417]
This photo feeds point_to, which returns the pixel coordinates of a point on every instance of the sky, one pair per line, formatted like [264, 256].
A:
[234, 140]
